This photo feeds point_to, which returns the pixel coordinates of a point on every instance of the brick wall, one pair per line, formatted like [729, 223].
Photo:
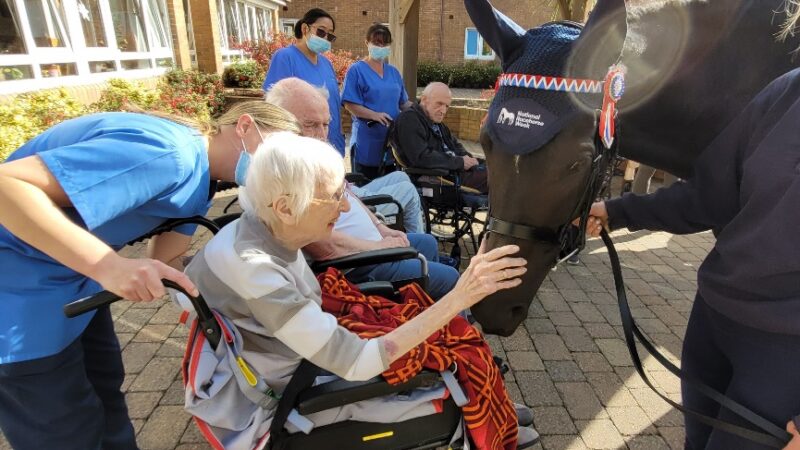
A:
[465, 122]
[205, 24]
[353, 17]
[442, 22]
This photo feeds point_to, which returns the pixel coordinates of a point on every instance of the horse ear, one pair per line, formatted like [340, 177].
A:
[601, 41]
[502, 34]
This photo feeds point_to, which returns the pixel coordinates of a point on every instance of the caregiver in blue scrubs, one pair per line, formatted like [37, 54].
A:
[305, 60]
[70, 198]
[374, 94]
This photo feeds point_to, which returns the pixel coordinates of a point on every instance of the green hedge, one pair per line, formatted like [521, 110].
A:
[471, 75]
[244, 74]
[182, 92]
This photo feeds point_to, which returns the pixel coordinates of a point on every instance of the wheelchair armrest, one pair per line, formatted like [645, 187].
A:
[225, 185]
[374, 200]
[171, 224]
[369, 258]
[356, 178]
[343, 392]
[225, 219]
[384, 289]
[429, 172]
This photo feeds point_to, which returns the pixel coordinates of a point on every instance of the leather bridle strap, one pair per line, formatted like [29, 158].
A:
[523, 232]
[772, 435]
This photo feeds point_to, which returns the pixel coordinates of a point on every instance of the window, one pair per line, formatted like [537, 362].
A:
[232, 23]
[475, 47]
[265, 24]
[242, 21]
[92, 23]
[47, 22]
[54, 43]
[159, 21]
[128, 21]
[287, 26]
[11, 41]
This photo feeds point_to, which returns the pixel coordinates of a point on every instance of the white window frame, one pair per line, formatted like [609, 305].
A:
[229, 54]
[288, 24]
[479, 56]
[77, 53]
[248, 12]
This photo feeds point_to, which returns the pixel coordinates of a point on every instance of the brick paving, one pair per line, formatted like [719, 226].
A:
[568, 360]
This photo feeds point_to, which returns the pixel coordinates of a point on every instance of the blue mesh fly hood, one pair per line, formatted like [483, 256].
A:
[521, 119]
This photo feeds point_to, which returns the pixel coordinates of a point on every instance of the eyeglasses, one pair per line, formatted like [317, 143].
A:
[324, 34]
[336, 198]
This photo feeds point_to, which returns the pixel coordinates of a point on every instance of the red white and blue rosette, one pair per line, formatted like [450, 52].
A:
[613, 89]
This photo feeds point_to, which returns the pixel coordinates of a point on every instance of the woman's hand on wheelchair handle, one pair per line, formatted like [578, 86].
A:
[138, 279]
[489, 272]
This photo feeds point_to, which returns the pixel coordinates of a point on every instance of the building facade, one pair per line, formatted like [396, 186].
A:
[53, 43]
[446, 33]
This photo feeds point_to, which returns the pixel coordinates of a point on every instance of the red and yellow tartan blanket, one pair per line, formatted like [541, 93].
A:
[489, 416]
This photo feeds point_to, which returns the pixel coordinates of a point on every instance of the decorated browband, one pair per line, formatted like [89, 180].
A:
[612, 88]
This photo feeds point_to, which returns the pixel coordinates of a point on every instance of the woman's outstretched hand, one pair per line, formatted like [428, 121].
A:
[491, 271]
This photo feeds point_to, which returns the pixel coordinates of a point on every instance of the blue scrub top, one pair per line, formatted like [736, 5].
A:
[125, 174]
[291, 62]
[363, 86]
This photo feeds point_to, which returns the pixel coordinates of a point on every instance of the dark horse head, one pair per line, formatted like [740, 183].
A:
[685, 77]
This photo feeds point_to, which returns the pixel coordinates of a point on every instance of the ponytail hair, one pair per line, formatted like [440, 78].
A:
[269, 117]
[790, 24]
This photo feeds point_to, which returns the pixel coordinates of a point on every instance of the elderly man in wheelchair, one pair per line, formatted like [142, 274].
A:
[452, 183]
[253, 274]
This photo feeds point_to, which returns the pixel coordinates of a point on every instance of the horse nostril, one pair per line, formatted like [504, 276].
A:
[517, 311]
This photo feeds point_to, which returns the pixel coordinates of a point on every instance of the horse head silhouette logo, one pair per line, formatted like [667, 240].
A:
[506, 116]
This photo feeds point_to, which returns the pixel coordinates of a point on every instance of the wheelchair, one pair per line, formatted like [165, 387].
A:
[300, 396]
[445, 201]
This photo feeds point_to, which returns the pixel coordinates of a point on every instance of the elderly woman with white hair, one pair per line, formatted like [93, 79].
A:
[254, 273]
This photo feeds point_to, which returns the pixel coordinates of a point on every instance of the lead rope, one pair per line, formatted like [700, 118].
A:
[773, 436]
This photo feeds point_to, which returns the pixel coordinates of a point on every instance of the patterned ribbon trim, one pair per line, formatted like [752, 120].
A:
[545, 83]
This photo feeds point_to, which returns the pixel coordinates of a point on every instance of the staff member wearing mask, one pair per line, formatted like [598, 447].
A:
[304, 60]
[374, 94]
[70, 198]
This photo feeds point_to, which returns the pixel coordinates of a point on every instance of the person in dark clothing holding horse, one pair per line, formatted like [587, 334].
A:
[426, 142]
[743, 336]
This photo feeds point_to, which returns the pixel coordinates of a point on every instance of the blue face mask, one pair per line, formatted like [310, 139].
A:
[240, 174]
[318, 45]
[379, 53]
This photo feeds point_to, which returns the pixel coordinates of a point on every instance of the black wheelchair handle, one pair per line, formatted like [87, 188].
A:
[104, 298]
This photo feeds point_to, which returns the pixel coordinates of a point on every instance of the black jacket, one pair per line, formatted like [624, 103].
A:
[746, 187]
[421, 147]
